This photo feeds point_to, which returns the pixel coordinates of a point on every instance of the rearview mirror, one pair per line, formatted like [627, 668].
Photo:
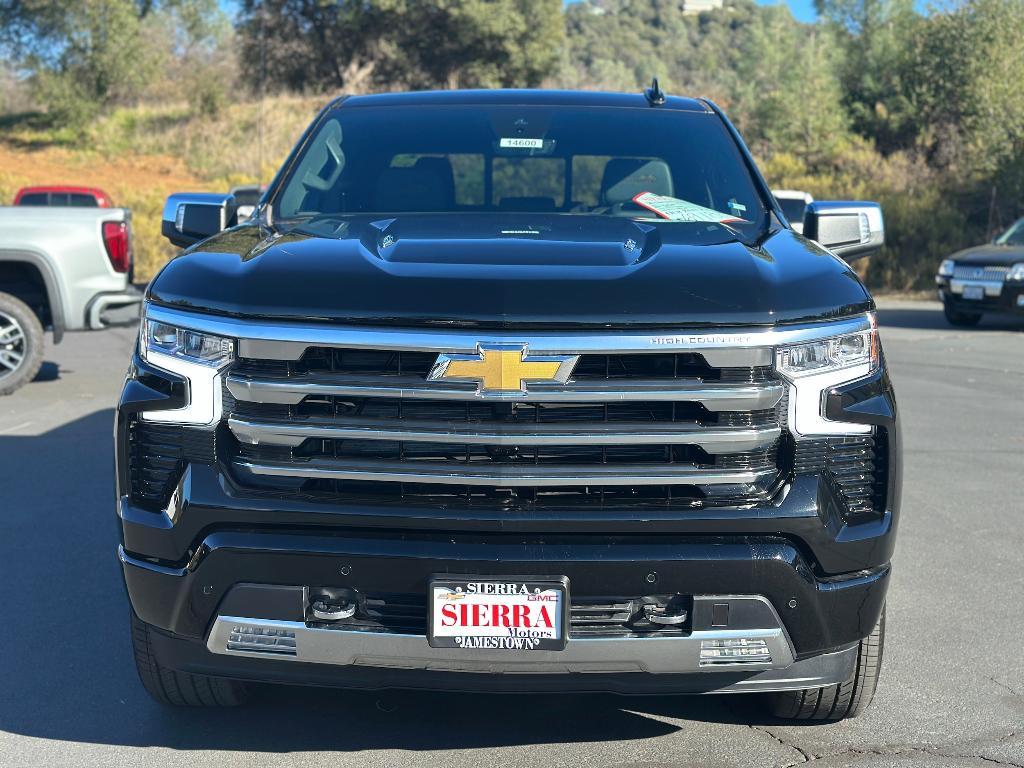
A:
[193, 216]
[851, 230]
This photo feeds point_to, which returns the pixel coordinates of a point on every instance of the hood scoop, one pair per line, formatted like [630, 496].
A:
[512, 240]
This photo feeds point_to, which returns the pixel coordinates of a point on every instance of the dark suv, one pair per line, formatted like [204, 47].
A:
[986, 279]
[511, 391]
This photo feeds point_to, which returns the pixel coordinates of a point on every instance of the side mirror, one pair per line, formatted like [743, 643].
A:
[848, 229]
[193, 216]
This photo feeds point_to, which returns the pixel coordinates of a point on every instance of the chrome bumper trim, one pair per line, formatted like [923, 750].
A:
[105, 301]
[992, 287]
[392, 651]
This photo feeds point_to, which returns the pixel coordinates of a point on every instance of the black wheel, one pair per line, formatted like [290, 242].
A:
[21, 344]
[960, 319]
[180, 689]
[847, 699]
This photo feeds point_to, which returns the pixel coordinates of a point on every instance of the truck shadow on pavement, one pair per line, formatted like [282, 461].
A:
[68, 675]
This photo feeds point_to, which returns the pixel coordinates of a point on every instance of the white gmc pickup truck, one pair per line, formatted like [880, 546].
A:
[61, 269]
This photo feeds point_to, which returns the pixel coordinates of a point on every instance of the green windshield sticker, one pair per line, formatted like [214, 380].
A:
[674, 209]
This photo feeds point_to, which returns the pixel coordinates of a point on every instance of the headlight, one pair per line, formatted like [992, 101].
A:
[946, 268]
[199, 357]
[813, 368]
[1016, 272]
[851, 350]
[194, 346]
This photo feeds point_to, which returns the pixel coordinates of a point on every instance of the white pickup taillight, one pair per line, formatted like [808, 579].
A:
[117, 241]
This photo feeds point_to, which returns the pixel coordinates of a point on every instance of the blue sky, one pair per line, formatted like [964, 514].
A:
[802, 9]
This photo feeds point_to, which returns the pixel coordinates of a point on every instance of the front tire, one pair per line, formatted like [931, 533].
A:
[960, 319]
[21, 344]
[847, 699]
[180, 689]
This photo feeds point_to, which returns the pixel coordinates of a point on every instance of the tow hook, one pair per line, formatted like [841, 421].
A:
[658, 614]
[333, 604]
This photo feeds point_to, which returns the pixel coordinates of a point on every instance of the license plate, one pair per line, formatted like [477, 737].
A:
[974, 292]
[505, 614]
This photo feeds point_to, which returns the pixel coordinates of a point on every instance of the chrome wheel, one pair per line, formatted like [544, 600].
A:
[12, 345]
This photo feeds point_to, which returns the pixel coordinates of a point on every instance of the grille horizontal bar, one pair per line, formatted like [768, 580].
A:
[294, 432]
[506, 475]
[715, 396]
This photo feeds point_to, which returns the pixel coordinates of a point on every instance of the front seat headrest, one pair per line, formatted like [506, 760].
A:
[624, 178]
[423, 187]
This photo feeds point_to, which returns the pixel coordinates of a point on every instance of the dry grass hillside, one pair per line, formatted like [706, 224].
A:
[141, 155]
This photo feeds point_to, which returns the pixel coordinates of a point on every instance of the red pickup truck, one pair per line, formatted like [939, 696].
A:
[77, 197]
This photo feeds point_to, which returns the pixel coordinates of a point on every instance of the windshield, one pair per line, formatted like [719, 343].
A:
[654, 164]
[1013, 236]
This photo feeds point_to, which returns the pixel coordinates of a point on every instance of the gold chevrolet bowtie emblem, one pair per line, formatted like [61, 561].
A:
[503, 368]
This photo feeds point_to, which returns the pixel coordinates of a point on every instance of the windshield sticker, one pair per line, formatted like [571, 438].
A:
[674, 209]
[518, 142]
[736, 207]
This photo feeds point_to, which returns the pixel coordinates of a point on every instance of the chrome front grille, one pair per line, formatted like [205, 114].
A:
[992, 274]
[367, 426]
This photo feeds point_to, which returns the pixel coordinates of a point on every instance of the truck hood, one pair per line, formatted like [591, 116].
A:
[991, 254]
[499, 272]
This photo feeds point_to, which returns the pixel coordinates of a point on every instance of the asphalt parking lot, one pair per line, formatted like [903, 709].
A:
[952, 689]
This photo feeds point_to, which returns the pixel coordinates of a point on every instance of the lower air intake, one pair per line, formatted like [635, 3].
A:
[855, 469]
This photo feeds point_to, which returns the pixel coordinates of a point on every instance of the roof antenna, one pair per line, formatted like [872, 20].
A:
[654, 95]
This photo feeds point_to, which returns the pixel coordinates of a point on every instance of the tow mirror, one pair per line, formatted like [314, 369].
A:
[193, 216]
[851, 230]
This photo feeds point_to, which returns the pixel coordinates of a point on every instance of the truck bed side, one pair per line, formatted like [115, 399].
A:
[55, 260]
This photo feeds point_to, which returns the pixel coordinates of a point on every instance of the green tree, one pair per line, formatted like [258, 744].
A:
[99, 57]
[967, 87]
[360, 44]
[85, 55]
[877, 40]
[788, 97]
[776, 78]
[483, 43]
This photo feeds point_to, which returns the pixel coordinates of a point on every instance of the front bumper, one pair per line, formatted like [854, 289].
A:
[108, 310]
[810, 624]
[999, 297]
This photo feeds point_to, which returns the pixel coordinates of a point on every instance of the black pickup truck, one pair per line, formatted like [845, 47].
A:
[511, 391]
